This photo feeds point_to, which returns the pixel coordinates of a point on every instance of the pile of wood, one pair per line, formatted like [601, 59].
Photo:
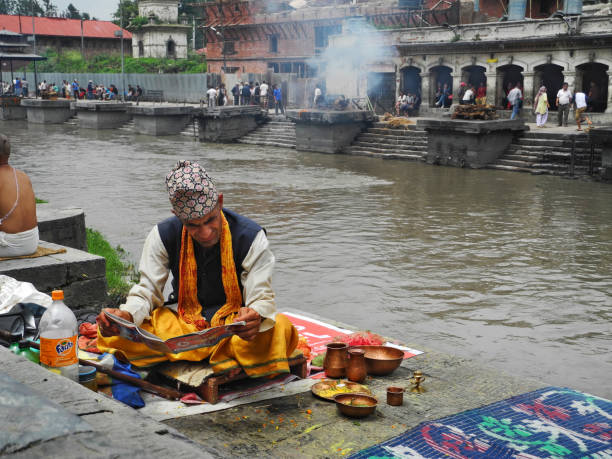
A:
[474, 112]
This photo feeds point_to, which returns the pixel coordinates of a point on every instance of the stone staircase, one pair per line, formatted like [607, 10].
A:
[387, 142]
[548, 153]
[278, 132]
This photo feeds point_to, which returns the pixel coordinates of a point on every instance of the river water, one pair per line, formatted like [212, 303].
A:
[510, 269]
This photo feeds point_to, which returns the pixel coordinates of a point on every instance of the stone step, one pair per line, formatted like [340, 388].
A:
[390, 140]
[527, 158]
[546, 148]
[502, 167]
[387, 148]
[267, 143]
[551, 142]
[382, 151]
[385, 125]
[80, 274]
[269, 138]
[510, 162]
[275, 131]
[408, 157]
[552, 135]
[397, 132]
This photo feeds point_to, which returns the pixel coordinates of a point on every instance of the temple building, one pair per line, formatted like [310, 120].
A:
[162, 35]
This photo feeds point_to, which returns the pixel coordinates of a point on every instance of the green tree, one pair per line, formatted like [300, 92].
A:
[27, 7]
[6, 6]
[50, 10]
[129, 9]
[72, 12]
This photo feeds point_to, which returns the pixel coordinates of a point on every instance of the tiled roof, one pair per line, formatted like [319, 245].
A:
[60, 27]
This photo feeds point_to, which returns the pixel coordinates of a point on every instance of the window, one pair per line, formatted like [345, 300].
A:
[285, 67]
[171, 49]
[273, 43]
[228, 47]
[273, 67]
[140, 49]
[231, 69]
[322, 34]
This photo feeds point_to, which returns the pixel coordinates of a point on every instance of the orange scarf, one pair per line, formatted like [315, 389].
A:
[189, 308]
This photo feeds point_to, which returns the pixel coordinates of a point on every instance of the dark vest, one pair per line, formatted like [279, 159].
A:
[210, 284]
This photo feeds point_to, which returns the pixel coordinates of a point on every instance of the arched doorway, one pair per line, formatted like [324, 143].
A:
[140, 48]
[592, 79]
[411, 80]
[507, 77]
[439, 75]
[474, 75]
[551, 76]
[171, 49]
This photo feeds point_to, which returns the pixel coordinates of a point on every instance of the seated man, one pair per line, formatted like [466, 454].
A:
[18, 224]
[221, 266]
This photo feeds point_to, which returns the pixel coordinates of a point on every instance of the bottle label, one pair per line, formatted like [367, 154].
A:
[58, 352]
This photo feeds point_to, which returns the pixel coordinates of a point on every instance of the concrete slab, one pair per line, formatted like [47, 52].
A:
[160, 120]
[284, 427]
[467, 143]
[11, 109]
[62, 226]
[81, 275]
[44, 111]
[228, 123]
[93, 425]
[328, 131]
[101, 114]
[603, 136]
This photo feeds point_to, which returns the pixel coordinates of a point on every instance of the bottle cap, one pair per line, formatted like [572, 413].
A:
[57, 295]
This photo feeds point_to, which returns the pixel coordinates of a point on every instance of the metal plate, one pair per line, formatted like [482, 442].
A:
[328, 388]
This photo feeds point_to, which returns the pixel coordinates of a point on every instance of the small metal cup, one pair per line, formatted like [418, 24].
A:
[395, 396]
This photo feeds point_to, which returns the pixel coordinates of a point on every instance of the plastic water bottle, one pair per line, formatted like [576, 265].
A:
[58, 338]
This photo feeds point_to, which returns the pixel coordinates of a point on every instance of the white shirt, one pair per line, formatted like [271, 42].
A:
[514, 96]
[263, 89]
[564, 96]
[212, 93]
[468, 95]
[580, 99]
[154, 268]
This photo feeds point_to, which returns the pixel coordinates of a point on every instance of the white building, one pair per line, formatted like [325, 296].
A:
[163, 36]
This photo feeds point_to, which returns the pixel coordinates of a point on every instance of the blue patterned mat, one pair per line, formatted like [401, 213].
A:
[548, 423]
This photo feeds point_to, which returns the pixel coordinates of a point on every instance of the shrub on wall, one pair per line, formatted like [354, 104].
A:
[73, 62]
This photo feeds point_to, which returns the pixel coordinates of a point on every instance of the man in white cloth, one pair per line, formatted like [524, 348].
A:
[212, 96]
[18, 224]
[580, 102]
[263, 91]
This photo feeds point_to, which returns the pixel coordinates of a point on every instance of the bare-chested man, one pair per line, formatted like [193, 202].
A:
[18, 224]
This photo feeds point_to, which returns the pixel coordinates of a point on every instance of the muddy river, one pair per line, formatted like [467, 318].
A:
[510, 269]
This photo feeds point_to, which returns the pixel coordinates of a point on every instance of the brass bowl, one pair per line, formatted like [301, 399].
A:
[381, 360]
[356, 405]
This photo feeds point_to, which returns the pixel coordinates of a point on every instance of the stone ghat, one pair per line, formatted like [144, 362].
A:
[297, 425]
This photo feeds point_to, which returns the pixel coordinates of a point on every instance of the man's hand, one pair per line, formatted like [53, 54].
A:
[249, 331]
[108, 328]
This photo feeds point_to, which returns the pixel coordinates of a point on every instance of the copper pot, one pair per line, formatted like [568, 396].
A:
[335, 360]
[356, 370]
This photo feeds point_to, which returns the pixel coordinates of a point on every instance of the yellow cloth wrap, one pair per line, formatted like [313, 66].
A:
[266, 354]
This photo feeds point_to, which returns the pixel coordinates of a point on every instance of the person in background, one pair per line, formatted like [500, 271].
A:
[246, 94]
[445, 98]
[481, 94]
[317, 97]
[24, 87]
[18, 224]
[236, 94]
[75, 89]
[514, 99]
[138, 94]
[256, 94]
[212, 96]
[263, 91]
[278, 100]
[468, 96]
[564, 100]
[541, 106]
[580, 106]
[240, 88]
[438, 94]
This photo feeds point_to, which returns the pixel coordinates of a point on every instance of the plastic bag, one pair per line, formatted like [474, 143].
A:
[13, 291]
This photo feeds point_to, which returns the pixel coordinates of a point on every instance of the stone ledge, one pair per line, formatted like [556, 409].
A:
[173, 110]
[46, 103]
[471, 126]
[81, 275]
[62, 226]
[101, 106]
[94, 425]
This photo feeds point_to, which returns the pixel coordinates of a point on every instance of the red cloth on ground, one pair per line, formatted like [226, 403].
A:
[88, 337]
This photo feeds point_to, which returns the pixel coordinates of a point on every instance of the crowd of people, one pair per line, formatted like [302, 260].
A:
[70, 90]
[244, 93]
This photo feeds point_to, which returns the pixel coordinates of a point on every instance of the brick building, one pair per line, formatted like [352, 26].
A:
[60, 34]
[274, 37]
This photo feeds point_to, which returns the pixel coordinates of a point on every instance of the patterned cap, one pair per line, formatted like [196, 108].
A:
[191, 191]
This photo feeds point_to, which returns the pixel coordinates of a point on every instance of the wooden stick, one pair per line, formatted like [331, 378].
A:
[170, 394]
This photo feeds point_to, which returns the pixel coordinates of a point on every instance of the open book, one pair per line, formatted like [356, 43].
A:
[204, 338]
